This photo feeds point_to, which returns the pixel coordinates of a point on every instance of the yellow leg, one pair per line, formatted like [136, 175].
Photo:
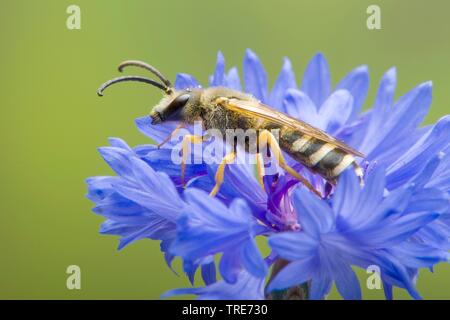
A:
[187, 139]
[229, 158]
[266, 138]
[171, 135]
[260, 169]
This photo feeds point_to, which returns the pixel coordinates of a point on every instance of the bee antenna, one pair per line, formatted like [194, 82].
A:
[132, 78]
[146, 66]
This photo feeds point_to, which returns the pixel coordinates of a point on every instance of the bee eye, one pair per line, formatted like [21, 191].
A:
[180, 101]
[173, 109]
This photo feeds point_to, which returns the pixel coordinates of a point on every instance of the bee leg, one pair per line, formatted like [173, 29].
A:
[266, 138]
[359, 173]
[229, 158]
[171, 135]
[260, 169]
[187, 139]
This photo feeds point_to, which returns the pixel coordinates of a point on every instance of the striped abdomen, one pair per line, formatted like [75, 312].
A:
[321, 157]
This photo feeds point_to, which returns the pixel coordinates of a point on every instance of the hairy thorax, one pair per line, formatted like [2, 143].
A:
[217, 117]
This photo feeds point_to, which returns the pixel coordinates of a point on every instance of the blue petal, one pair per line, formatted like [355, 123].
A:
[209, 273]
[428, 200]
[316, 80]
[394, 204]
[232, 79]
[190, 268]
[441, 177]
[399, 229]
[405, 116]
[336, 111]
[388, 292]
[427, 173]
[121, 209]
[100, 187]
[255, 77]
[119, 143]
[230, 266]
[314, 215]
[118, 160]
[435, 234]
[218, 78]
[417, 255]
[367, 200]
[150, 198]
[320, 287]
[157, 132]
[185, 81]
[285, 81]
[246, 287]
[388, 156]
[245, 186]
[158, 228]
[118, 228]
[386, 91]
[346, 281]
[354, 132]
[397, 274]
[294, 245]
[295, 273]
[413, 161]
[383, 104]
[298, 105]
[344, 200]
[162, 160]
[168, 257]
[124, 241]
[152, 181]
[207, 227]
[252, 260]
[357, 83]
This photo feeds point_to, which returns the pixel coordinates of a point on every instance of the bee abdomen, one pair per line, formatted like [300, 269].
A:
[322, 157]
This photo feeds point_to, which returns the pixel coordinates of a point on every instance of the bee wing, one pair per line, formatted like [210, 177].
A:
[259, 110]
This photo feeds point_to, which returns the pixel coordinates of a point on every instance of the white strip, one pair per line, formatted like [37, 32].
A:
[301, 144]
[319, 154]
[359, 172]
[346, 161]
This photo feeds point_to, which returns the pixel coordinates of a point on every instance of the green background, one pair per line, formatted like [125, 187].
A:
[52, 121]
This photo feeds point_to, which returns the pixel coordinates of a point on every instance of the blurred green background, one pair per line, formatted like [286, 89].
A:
[52, 121]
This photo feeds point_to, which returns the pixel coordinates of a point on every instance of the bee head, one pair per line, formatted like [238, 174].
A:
[166, 111]
[171, 108]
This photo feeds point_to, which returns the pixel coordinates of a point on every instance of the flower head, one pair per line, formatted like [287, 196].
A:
[357, 227]
[399, 222]
[207, 227]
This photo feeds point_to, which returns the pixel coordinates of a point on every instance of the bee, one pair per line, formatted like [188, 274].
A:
[222, 108]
